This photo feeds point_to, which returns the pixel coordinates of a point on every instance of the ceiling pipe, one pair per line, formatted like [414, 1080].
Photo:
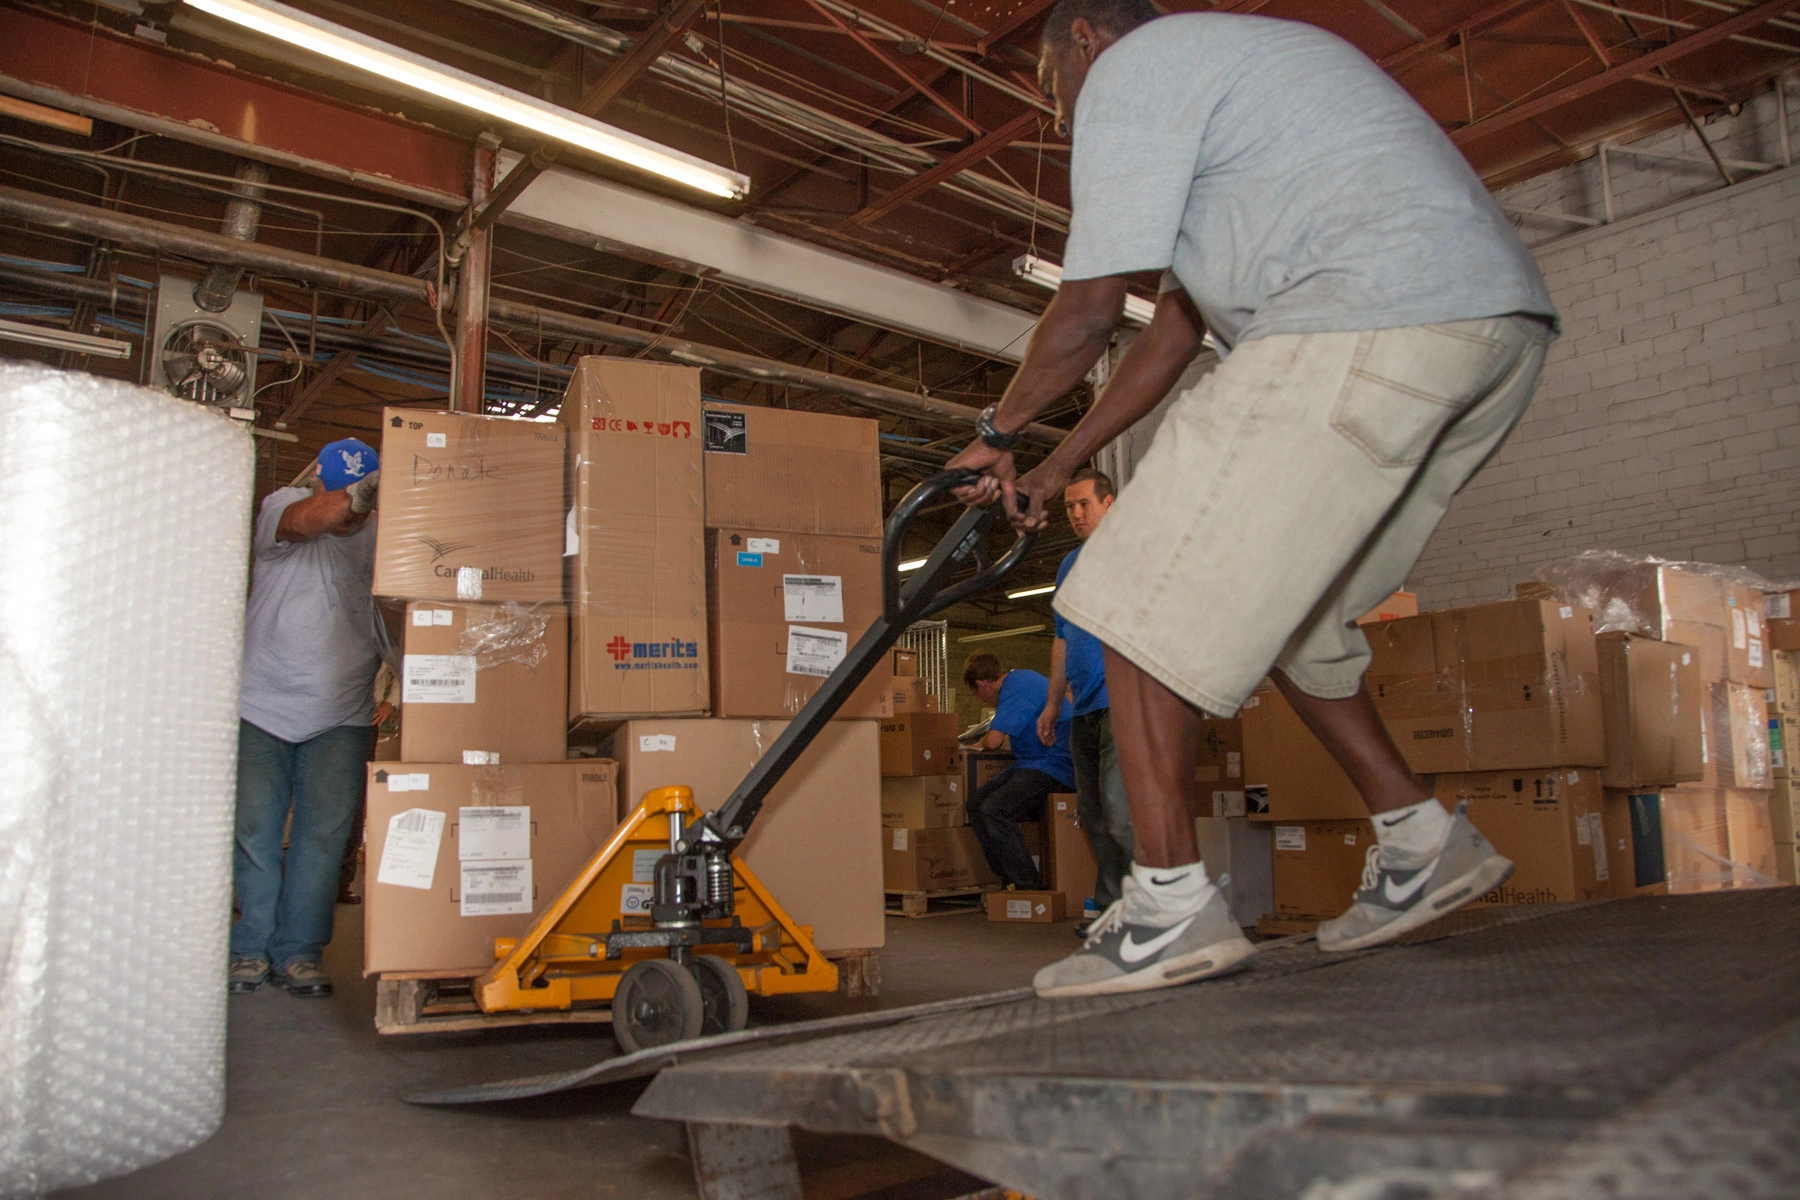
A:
[242, 216]
[352, 279]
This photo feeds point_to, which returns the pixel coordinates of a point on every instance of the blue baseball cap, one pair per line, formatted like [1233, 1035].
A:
[345, 461]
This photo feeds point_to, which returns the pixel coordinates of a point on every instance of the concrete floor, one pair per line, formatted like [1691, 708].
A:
[313, 1095]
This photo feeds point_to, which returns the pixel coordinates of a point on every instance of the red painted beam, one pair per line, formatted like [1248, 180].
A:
[1476, 25]
[1750, 18]
[918, 85]
[923, 182]
[89, 61]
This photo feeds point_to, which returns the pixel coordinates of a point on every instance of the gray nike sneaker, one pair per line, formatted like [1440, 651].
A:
[1123, 955]
[1401, 892]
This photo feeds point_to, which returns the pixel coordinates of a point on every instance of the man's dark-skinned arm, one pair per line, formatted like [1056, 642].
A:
[321, 513]
[1070, 336]
[1149, 369]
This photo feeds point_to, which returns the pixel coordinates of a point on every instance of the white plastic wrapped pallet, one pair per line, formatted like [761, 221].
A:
[124, 521]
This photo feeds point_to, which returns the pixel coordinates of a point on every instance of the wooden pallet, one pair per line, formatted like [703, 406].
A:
[425, 1002]
[947, 903]
[859, 972]
[440, 1002]
[1274, 925]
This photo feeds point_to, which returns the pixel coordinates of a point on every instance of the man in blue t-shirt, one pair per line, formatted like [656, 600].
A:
[997, 807]
[1078, 665]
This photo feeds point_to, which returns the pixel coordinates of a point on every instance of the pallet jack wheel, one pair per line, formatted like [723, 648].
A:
[726, 1003]
[658, 1002]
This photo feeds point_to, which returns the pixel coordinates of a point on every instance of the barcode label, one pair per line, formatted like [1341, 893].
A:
[815, 652]
[813, 598]
[493, 832]
[409, 855]
[438, 679]
[491, 889]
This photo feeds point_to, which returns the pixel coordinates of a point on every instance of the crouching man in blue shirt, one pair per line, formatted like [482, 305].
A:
[997, 807]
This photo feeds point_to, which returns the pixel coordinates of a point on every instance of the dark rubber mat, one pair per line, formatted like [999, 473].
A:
[1521, 1030]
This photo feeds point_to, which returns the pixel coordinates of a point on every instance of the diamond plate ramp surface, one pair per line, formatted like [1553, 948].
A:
[1559, 1021]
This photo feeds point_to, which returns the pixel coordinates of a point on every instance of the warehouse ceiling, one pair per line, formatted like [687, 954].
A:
[898, 132]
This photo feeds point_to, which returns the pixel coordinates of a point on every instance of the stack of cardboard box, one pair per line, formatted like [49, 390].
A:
[1784, 743]
[767, 570]
[643, 562]
[482, 819]
[1498, 706]
[1683, 826]
[926, 842]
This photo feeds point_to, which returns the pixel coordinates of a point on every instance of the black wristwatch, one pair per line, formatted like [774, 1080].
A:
[984, 429]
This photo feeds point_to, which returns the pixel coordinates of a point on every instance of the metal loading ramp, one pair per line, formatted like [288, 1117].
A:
[1638, 1048]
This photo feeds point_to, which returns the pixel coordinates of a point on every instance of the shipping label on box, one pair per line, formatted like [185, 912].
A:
[1038, 907]
[471, 508]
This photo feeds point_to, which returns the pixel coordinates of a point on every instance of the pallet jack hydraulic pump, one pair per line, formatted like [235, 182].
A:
[714, 934]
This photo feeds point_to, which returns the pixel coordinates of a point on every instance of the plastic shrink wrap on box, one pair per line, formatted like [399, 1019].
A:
[124, 519]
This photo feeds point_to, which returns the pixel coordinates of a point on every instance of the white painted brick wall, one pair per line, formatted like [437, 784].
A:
[1668, 418]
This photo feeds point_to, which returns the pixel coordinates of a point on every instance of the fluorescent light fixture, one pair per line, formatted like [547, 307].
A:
[912, 564]
[1047, 274]
[996, 634]
[62, 339]
[1045, 590]
[446, 83]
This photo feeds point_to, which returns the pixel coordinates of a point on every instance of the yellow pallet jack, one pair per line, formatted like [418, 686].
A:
[714, 933]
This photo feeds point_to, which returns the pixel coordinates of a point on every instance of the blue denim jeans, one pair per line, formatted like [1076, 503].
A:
[995, 811]
[287, 906]
[1100, 802]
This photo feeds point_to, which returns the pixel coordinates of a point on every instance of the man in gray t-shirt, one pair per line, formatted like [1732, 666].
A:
[313, 642]
[1383, 330]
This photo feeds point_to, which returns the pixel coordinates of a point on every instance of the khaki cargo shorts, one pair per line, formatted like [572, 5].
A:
[1289, 492]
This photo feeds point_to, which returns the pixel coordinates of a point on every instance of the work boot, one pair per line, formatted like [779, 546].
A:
[1135, 947]
[248, 972]
[1401, 892]
[303, 978]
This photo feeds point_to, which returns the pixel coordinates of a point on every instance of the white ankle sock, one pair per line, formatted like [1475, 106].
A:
[1417, 829]
[1172, 889]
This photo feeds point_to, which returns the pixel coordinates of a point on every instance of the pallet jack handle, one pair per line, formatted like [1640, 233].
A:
[903, 603]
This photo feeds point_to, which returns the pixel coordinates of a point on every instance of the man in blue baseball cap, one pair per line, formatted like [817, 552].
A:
[313, 641]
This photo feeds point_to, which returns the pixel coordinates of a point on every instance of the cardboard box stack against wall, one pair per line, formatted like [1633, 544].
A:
[1602, 765]
[1783, 699]
[1699, 830]
[481, 819]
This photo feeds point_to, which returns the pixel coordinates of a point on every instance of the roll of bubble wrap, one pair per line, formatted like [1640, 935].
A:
[124, 519]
